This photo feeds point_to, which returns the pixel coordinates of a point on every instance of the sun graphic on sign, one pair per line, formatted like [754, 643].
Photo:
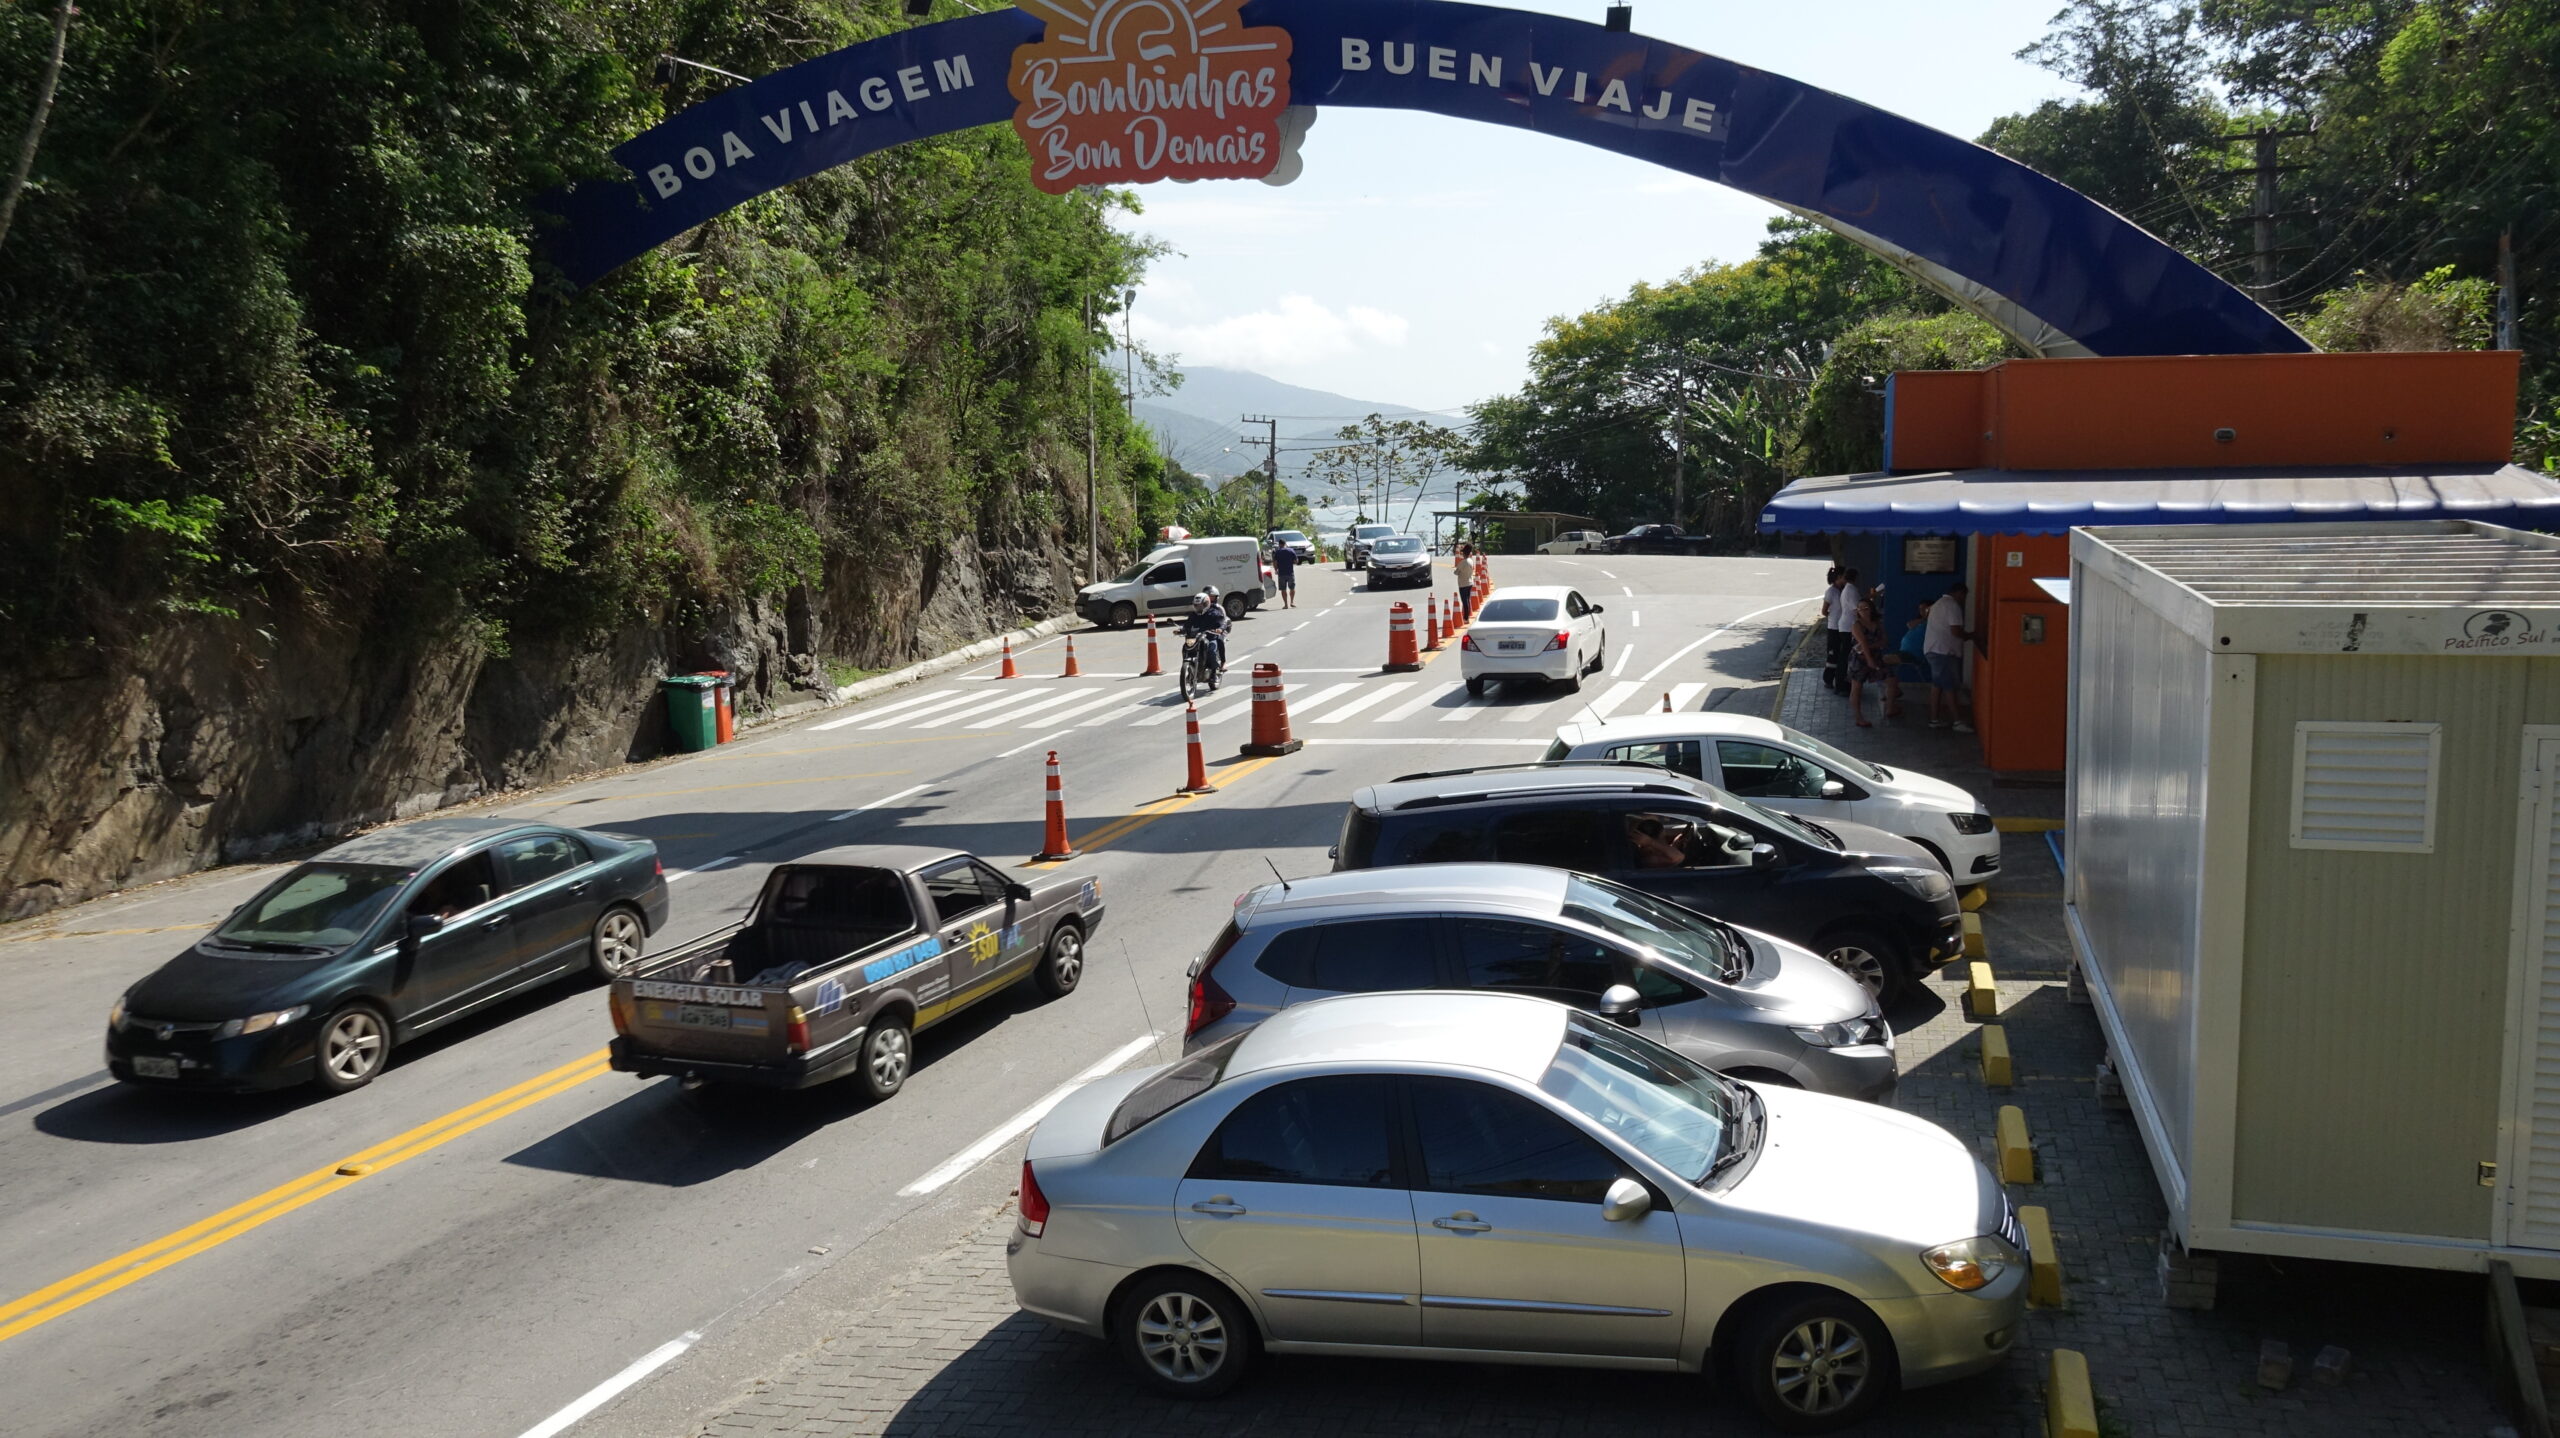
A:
[981, 944]
[1127, 91]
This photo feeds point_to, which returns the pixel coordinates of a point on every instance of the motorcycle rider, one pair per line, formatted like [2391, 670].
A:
[1208, 619]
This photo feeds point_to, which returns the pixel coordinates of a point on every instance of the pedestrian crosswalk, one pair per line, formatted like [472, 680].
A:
[1367, 700]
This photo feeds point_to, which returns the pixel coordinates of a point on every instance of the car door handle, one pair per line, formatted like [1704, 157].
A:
[1462, 1223]
[1225, 1207]
[497, 921]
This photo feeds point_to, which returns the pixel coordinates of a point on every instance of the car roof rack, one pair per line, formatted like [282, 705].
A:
[1523, 764]
[1439, 801]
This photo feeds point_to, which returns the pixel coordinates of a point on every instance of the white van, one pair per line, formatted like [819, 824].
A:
[1162, 583]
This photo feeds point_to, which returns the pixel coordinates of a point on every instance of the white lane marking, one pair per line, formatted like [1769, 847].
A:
[1415, 705]
[1302, 625]
[1115, 715]
[1605, 572]
[612, 1388]
[1526, 712]
[1337, 604]
[1466, 710]
[722, 862]
[1175, 711]
[965, 696]
[1009, 699]
[876, 803]
[1622, 589]
[1682, 695]
[882, 711]
[1298, 706]
[1106, 697]
[1035, 706]
[1624, 654]
[1697, 644]
[1635, 619]
[1375, 695]
[1021, 1123]
[1503, 743]
[1034, 744]
[1617, 695]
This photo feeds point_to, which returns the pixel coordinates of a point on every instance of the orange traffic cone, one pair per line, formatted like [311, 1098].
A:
[1053, 842]
[1071, 671]
[1666, 701]
[1197, 782]
[1402, 658]
[1271, 707]
[1155, 666]
[1008, 672]
[1431, 623]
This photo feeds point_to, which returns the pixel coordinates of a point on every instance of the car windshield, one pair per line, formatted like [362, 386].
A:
[1688, 940]
[1779, 820]
[1832, 755]
[1517, 611]
[1373, 531]
[1171, 1087]
[316, 909]
[1399, 545]
[1673, 1110]
[1289, 536]
[1135, 572]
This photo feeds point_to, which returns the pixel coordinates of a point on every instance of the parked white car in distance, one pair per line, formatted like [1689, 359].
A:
[1784, 768]
[1533, 631]
[1574, 541]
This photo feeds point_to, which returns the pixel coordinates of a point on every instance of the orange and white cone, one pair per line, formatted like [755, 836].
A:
[1666, 701]
[1053, 842]
[1271, 710]
[1155, 666]
[1071, 671]
[1431, 623]
[1008, 671]
[1197, 782]
[1402, 656]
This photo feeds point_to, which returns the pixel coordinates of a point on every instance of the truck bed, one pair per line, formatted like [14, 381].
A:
[696, 1004]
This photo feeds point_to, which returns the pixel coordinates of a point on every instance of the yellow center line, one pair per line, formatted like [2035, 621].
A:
[98, 1280]
[1153, 810]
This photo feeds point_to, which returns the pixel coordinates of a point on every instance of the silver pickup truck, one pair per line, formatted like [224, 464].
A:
[846, 956]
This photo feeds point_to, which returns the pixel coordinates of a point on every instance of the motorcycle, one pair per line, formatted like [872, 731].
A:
[1201, 669]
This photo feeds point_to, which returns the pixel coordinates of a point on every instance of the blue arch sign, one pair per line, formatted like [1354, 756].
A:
[2054, 269]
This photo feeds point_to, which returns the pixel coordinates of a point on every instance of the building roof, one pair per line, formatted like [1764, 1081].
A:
[1999, 501]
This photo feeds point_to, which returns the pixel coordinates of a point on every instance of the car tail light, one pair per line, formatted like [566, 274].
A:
[621, 1016]
[1209, 1003]
[795, 1034]
[658, 866]
[1034, 1203]
[1561, 640]
[1469, 643]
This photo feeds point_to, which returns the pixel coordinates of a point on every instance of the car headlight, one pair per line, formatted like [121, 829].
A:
[1971, 1263]
[1854, 1032]
[115, 1013]
[260, 1023]
[1970, 823]
[1931, 884]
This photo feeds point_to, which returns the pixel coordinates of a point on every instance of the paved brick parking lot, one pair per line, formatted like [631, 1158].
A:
[944, 1352]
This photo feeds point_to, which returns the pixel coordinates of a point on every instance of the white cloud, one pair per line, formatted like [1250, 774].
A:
[1295, 331]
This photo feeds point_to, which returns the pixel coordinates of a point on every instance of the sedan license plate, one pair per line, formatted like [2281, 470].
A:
[700, 1016]
[1512, 644]
[145, 1066]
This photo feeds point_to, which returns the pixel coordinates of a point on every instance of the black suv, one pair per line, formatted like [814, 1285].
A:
[1877, 906]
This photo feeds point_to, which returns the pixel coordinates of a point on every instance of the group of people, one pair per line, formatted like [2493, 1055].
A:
[1930, 649]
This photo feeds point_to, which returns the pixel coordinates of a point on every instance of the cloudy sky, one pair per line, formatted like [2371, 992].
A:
[1417, 258]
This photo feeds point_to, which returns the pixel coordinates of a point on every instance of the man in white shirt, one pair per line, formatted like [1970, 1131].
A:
[1840, 615]
[1943, 644]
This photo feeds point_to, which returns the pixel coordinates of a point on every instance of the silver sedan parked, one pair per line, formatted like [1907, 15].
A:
[1494, 1178]
[1743, 1003]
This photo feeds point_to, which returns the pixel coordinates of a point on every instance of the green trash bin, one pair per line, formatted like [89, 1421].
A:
[693, 711]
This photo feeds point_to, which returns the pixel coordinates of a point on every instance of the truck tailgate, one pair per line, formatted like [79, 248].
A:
[720, 1022]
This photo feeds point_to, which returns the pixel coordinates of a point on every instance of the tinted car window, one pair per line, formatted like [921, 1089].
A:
[1167, 574]
[1556, 838]
[1372, 955]
[1475, 1138]
[832, 897]
[536, 858]
[1685, 841]
[1173, 1086]
[1762, 772]
[1444, 839]
[960, 889]
[315, 908]
[1325, 1130]
[1533, 959]
[1680, 756]
[1517, 611]
[466, 884]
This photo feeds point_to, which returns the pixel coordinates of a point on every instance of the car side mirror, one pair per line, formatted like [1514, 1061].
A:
[1333, 852]
[1626, 1200]
[1599, 608]
[1619, 1002]
[1764, 856]
[422, 926]
[1834, 789]
[1017, 891]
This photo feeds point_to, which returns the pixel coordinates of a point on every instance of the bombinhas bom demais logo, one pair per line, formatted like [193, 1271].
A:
[1129, 91]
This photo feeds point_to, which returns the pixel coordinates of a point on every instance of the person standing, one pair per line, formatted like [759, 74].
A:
[1465, 574]
[1944, 646]
[1841, 614]
[1284, 571]
[1867, 661]
[1483, 572]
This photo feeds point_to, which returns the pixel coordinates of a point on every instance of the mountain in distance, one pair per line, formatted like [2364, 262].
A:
[1199, 426]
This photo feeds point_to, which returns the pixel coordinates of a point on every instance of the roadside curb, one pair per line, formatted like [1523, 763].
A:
[921, 670]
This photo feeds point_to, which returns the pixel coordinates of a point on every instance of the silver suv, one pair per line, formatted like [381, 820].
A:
[1737, 1001]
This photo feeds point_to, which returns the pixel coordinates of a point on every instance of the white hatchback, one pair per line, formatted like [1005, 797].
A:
[1574, 541]
[1533, 631]
[1783, 768]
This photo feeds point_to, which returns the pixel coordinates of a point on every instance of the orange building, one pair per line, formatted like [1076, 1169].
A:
[1987, 471]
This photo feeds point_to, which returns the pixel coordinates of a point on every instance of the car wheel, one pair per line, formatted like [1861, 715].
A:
[354, 1044]
[1123, 615]
[1063, 964]
[1235, 606]
[1185, 1335]
[1573, 685]
[613, 946]
[1869, 958]
[888, 1052]
[1475, 688]
[1815, 1364]
[1935, 853]
[1599, 661]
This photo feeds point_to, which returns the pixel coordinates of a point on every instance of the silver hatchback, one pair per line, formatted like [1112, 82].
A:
[1489, 1177]
[1743, 1003]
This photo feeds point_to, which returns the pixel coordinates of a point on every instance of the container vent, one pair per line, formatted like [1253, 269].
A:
[2365, 786]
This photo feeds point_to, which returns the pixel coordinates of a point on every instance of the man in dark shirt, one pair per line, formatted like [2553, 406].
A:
[1284, 568]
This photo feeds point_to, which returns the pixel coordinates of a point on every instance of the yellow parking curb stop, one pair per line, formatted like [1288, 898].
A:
[1996, 1072]
[1974, 948]
[1981, 993]
[2070, 1408]
[2044, 1265]
[1974, 898]
[2017, 1156]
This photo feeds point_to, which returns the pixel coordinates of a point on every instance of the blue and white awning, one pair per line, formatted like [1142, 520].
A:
[1999, 501]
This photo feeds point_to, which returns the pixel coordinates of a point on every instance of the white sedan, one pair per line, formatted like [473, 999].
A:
[1782, 768]
[1574, 541]
[1534, 631]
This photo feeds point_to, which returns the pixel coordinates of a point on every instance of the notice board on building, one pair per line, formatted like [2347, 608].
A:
[1929, 554]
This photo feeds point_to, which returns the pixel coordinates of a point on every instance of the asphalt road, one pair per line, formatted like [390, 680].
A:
[530, 1226]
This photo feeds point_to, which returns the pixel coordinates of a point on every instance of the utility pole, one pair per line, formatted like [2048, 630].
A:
[2509, 301]
[1270, 470]
[1129, 356]
[1092, 460]
[2263, 214]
